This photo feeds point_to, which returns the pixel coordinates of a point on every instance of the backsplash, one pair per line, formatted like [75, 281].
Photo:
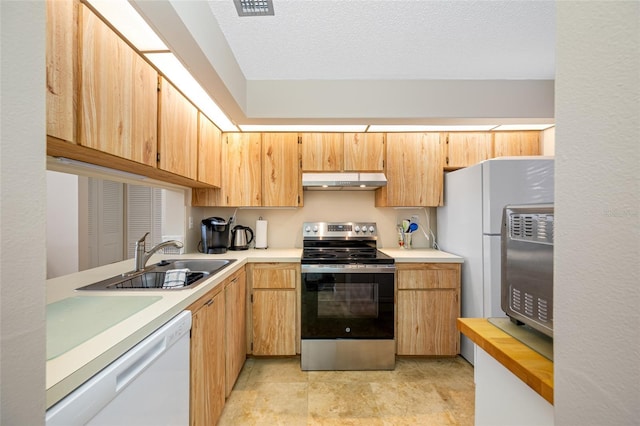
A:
[285, 224]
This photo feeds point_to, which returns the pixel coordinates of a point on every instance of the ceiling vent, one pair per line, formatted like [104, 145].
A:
[254, 7]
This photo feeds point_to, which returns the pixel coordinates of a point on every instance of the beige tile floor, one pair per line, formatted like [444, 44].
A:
[274, 391]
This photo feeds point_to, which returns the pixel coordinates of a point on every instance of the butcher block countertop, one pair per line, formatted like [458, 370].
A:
[528, 365]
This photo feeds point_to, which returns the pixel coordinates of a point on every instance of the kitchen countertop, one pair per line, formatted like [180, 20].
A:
[421, 255]
[528, 365]
[70, 369]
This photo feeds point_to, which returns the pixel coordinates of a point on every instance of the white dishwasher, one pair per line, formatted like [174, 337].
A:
[148, 385]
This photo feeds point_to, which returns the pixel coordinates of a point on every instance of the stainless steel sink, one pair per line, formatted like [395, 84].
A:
[152, 278]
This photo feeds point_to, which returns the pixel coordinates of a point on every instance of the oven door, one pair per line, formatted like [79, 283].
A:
[347, 302]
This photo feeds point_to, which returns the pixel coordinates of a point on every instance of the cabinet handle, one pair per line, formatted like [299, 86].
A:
[209, 302]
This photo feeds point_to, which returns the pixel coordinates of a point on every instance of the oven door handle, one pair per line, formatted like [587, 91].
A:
[348, 269]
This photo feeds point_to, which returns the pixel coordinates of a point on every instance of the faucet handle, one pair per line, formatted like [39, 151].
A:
[144, 237]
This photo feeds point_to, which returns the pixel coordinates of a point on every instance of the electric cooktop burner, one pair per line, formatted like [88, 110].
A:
[341, 243]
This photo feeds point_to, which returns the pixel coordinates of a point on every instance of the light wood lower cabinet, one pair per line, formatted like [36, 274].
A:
[275, 328]
[235, 292]
[207, 376]
[428, 303]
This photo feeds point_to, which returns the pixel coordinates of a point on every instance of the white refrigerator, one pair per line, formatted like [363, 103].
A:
[470, 222]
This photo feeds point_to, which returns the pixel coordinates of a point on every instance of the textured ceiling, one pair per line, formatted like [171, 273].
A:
[367, 62]
[340, 39]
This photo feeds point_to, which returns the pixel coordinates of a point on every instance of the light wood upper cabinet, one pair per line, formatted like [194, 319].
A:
[62, 65]
[414, 170]
[275, 327]
[241, 174]
[209, 151]
[364, 152]
[428, 305]
[257, 170]
[322, 152]
[466, 149]
[207, 378]
[178, 146]
[119, 100]
[235, 293]
[281, 180]
[242, 170]
[516, 143]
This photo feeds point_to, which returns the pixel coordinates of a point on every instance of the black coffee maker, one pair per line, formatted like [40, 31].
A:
[215, 235]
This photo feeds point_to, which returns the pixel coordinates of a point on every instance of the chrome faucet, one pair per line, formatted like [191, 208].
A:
[142, 256]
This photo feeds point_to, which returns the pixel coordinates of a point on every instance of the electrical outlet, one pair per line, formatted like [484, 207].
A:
[415, 219]
[190, 222]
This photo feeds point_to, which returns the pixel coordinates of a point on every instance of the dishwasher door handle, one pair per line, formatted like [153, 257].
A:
[137, 366]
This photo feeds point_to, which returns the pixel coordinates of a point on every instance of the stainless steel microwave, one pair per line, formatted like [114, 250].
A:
[527, 265]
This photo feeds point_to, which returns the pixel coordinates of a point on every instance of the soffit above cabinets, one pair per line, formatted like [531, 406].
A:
[368, 62]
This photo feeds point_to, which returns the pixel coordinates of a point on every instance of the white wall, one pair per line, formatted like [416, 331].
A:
[597, 245]
[63, 247]
[173, 212]
[548, 142]
[22, 213]
[285, 225]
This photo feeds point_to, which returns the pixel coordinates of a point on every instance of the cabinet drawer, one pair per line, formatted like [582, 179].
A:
[428, 275]
[275, 275]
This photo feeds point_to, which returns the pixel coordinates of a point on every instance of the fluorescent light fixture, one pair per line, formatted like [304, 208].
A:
[129, 23]
[97, 169]
[431, 128]
[347, 128]
[504, 127]
[173, 69]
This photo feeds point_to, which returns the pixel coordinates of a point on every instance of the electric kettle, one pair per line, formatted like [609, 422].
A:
[241, 237]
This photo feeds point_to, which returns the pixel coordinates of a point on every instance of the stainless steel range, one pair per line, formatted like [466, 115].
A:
[347, 296]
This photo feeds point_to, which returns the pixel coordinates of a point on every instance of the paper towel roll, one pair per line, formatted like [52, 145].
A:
[261, 234]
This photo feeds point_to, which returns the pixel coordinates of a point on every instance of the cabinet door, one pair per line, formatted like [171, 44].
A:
[427, 322]
[428, 276]
[242, 170]
[207, 361]
[209, 151]
[281, 182]
[274, 275]
[235, 325]
[467, 149]
[516, 143]
[274, 322]
[178, 147]
[322, 152]
[414, 170]
[119, 95]
[364, 152]
[62, 63]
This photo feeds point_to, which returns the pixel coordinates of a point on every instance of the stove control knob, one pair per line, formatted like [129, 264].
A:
[307, 229]
[315, 229]
[357, 228]
[371, 229]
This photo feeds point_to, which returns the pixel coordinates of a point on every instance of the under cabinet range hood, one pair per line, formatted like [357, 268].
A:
[343, 181]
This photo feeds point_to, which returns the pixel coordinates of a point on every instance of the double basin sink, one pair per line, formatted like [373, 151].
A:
[153, 276]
